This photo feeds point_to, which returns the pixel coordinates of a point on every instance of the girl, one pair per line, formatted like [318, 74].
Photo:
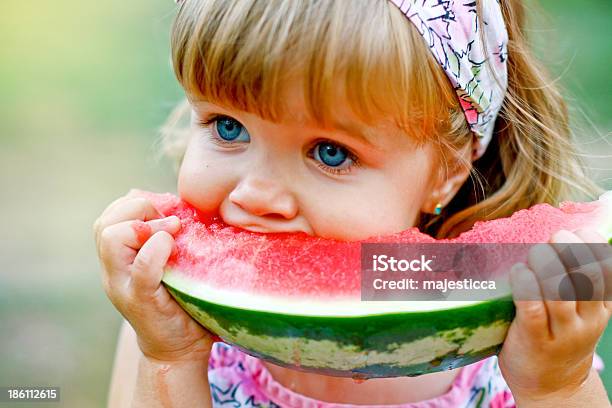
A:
[347, 119]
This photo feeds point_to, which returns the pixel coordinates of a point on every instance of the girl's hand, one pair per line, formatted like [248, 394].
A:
[548, 352]
[134, 244]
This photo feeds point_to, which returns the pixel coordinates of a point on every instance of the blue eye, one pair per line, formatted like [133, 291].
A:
[330, 154]
[231, 130]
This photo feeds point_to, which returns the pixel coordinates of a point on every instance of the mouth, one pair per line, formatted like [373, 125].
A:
[234, 216]
[267, 230]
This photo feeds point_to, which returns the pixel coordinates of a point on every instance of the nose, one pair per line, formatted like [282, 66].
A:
[264, 197]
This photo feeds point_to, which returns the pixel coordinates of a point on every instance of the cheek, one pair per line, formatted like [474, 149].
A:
[377, 209]
[203, 181]
[383, 202]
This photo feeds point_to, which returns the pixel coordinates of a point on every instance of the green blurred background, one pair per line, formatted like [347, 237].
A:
[84, 88]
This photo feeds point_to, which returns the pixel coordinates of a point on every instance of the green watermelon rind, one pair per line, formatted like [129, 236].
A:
[404, 343]
[373, 345]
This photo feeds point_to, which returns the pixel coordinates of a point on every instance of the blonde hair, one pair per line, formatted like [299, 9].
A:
[365, 53]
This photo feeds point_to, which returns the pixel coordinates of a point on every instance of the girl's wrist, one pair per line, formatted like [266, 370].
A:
[197, 352]
[172, 383]
[199, 356]
[588, 392]
[541, 382]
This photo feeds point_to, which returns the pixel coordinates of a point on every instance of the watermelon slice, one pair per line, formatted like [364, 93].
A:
[294, 299]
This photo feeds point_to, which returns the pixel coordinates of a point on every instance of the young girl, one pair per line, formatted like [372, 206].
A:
[347, 119]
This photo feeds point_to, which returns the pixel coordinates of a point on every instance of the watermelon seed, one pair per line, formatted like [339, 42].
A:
[436, 362]
[359, 378]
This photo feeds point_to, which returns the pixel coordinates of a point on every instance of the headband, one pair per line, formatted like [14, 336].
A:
[455, 35]
[463, 44]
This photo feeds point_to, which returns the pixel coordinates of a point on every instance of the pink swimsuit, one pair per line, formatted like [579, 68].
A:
[238, 380]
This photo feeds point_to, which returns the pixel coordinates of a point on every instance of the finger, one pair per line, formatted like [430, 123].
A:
[120, 243]
[531, 311]
[130, 194]
[133, 193]
[544, 261]
[549, 271]
[148, 267]
[134, 233]
[603, 252]
[584, 272]
[524, 283]
[589, 235]
[134, 208]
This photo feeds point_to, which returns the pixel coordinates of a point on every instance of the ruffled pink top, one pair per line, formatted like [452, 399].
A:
[239, 380]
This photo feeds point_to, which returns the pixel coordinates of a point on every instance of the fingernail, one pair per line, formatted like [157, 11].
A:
[172, 220]
[563, 236]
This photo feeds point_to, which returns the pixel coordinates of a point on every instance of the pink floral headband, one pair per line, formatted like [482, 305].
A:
[452, 31]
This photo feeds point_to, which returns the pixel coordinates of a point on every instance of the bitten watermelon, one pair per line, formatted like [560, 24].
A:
[294, 299]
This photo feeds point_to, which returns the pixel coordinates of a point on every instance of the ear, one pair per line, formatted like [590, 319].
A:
[452, 171]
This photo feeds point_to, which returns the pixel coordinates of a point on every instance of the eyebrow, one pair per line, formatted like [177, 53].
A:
[351, 129]
[361, 133]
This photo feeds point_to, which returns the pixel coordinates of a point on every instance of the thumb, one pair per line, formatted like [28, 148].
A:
[148, 266]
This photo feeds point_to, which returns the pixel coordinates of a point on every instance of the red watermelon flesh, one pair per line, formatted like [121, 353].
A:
[296, 265]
